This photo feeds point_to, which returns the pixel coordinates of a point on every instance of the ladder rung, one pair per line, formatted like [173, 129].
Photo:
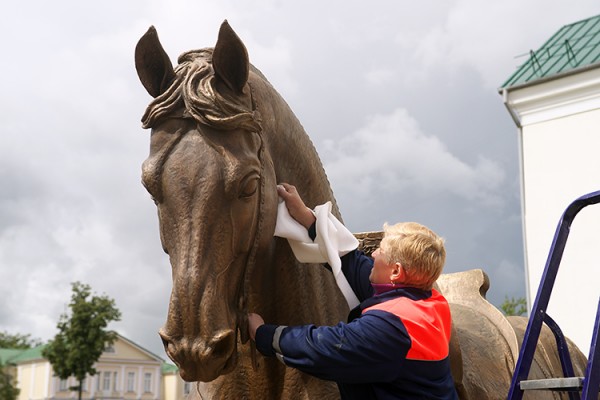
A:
[575, 383]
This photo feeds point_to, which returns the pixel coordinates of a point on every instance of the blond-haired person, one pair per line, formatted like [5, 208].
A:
[395, 344]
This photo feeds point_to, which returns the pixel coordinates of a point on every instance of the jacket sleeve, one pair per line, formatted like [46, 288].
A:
[368, 349]
[357, 267]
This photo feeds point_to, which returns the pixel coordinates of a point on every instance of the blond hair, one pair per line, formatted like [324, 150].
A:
[418, 249]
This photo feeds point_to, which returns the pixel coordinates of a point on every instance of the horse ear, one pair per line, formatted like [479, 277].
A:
[230, 59]
[152, 64]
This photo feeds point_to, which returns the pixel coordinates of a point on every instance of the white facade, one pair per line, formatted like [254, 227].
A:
[559, 136]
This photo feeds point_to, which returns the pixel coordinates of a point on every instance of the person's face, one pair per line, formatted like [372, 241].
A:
[383, 272]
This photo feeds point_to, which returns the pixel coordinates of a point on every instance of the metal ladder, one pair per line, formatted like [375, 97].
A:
[588, 385]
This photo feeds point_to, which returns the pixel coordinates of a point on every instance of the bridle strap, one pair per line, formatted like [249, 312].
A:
[251, 264]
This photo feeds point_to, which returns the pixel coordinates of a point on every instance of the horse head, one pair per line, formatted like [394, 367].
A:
[211, 179]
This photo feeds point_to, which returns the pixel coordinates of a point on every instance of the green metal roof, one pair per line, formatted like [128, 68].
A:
[29, 354]
[6, 355]
[167, 368]
[574, 46]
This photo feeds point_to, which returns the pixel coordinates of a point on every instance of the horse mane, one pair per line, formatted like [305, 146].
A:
[194, 92]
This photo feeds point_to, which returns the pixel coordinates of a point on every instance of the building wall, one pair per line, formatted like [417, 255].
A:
[36, 382]
[561, 163]
[171, 387]
[24, 381]
[33, 380]
[176, 388]
[560, 137]
[127, 380]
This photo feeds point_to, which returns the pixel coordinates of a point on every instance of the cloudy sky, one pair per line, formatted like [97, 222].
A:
[400, 99]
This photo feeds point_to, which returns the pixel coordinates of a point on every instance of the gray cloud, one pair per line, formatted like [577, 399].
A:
[399, 99]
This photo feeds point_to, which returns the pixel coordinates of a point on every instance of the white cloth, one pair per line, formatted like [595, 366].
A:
[333, 240]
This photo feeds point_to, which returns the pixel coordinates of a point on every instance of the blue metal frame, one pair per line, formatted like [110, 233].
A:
[538, 313]
[591, 383]
[563, 352]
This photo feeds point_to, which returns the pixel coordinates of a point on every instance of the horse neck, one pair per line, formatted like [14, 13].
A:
[294, 156]
[301, 165]
[302, 293]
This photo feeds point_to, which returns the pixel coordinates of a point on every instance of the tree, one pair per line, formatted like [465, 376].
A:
[7, 390]
[17, 341]
[82, 336]
[514, 306]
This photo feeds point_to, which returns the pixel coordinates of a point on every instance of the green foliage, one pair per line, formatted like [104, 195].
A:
[17, 341]
[7, 390]
[514, 306]
[82, 336]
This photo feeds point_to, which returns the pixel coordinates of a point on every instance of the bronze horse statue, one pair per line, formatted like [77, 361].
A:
[222, 138]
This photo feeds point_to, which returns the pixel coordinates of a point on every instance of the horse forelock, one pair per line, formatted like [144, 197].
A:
[193, 94]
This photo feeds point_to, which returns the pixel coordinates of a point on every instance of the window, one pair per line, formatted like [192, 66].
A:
[131, 381]
[115, 381]
[106, 381]
[148, 382]
[187, 388]
[63, 385]
[109, 348]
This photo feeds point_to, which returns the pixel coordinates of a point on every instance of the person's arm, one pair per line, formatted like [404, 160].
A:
[267, 341]
[356, 266]
[369, 349]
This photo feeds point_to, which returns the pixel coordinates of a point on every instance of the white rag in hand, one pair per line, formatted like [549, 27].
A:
[333, 240]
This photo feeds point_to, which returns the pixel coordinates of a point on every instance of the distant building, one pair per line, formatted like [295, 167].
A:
[125, 371]
[554, 99]
[175, 388]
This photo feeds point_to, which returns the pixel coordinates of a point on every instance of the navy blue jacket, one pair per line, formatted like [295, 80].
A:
[395, 345]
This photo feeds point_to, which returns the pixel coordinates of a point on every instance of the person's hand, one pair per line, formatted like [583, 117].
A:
[295, 205]
[254, 322]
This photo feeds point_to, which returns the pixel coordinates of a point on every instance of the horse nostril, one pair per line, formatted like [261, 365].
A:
[222, 343]
[165, 340]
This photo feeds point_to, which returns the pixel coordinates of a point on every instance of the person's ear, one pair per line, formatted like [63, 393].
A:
[398, 275]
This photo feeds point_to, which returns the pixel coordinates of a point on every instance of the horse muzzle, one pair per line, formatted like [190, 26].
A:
[202, 360]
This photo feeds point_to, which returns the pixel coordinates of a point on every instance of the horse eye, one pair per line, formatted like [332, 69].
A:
[249, 185]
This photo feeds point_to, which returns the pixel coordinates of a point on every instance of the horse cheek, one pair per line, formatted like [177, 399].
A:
[243, 221]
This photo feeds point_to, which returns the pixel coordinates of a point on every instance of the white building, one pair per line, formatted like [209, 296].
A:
[554, 99]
